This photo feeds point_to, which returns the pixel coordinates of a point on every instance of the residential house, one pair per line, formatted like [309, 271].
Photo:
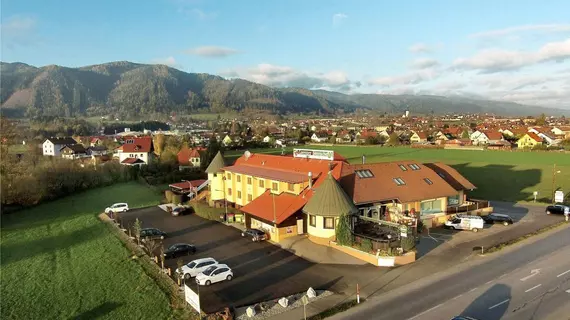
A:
[320, 137]
[73, 151]
[418, 137]
[227, 140]
[487, 137]
[53, 146]
[365, 134]
[343, 136]
[561, 131]
[96, 141]
[440, 135]
[189, 159]
[97, 150]
[135, 151]
[529, 140]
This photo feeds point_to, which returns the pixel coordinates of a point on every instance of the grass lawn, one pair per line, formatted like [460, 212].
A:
[60, 262]
[498, 175]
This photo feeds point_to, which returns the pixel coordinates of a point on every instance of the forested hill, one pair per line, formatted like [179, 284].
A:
[132, 89]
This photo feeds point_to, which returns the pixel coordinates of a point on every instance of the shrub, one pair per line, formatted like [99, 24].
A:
[408, 243]
[343, 232]
[366, 245]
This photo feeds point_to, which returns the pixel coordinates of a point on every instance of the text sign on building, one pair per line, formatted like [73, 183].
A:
[313, 154]
[192, 298]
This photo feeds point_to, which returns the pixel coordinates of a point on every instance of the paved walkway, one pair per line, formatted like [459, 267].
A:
[303, 247]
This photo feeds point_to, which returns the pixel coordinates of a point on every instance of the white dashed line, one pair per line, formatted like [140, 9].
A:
[504, 274]
[568, 290]
[500, 303]
[563, 273]
[457, 297]
[538, 285]
[488, 281]
[428, 310]
[473, 289]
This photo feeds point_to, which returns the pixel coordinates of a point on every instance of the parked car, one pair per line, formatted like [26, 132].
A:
[152, 234]
[193, 268]
[180, 211]
[465, 222]
[117, 207]
[178, 250]
[213, 274]
[254, 234]
[556, 209]
[493, 218]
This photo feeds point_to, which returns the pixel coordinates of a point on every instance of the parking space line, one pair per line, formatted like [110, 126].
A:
[538, 285]
[500, 303]
[563, 273]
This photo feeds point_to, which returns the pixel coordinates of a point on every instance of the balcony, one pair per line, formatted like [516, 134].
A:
[469, 206]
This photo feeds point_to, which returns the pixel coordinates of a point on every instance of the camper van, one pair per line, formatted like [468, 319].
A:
[465, 222]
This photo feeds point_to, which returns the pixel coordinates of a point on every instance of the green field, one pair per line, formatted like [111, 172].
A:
[60, 262]
[498, 175]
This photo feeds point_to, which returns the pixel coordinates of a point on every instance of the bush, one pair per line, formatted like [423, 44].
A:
[408, 243]
[366, 245]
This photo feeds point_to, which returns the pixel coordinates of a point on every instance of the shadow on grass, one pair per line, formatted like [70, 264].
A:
[99, 311]
[46, 245]
[500, 182]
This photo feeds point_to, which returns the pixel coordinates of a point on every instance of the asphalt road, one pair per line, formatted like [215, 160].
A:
[529, 282]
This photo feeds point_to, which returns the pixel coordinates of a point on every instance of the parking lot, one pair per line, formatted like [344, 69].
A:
[262, 271]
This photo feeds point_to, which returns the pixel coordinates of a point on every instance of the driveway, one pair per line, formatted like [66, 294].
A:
[262, 271]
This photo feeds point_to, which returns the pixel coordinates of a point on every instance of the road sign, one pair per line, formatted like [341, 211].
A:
[559, 196]
[305, 300]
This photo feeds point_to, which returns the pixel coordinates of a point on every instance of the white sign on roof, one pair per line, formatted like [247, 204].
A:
[313, 154]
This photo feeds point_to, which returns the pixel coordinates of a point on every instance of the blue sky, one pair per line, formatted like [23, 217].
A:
[503, 50]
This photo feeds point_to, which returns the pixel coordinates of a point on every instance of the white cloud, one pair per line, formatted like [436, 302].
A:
[212, 51]
[420, 48]
[424, 63]
[497, 60]
[548, 28]
[284, 76]
[169, 61]
[337, 18]
[411, 78]
[18, 30]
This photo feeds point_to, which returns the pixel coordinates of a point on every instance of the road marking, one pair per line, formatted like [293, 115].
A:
[457, 297]
[488, 281]
[563, 273]
[473, 289]
[538, 285]
[500, 303]
[504, 274]
[533, 273]
[568, 290]
[428, 310]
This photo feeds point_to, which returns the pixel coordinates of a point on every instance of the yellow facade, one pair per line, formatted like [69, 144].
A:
[241, 189]
[216, 186]
[275, 234]
[317, 229]
[527, 142]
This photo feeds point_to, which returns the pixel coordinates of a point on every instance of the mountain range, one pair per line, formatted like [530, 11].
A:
[133, 89]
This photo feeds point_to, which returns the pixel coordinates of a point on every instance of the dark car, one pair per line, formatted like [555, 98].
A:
[254, 234]
[180, 211]
[498, 218]
[178, 250]
[555, 209]
[152, 234]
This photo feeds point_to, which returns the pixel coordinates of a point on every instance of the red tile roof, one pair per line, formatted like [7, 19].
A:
[534, 136]
[186, 185]
[143, 144]
[454, 178]
[185, 154]
[286, 205]
[494, 135]
[382, 187]
[269, 173]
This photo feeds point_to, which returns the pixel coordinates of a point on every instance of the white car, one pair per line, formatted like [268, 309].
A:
[117, 207]
[192, 268]
[214, 273]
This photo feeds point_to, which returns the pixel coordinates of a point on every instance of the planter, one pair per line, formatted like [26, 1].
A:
[386, 261]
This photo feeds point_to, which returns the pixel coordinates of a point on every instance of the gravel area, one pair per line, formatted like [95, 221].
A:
[271, 308]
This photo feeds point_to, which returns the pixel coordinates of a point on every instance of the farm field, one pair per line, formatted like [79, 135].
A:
[498, 175]
[60, 262]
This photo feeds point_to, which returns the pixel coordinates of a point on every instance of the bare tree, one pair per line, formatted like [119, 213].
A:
[137, 226]
[150, 245]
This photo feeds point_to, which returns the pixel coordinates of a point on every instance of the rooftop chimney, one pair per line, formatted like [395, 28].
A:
[310, 180]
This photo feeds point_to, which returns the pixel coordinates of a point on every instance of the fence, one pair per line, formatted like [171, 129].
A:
[473, 205]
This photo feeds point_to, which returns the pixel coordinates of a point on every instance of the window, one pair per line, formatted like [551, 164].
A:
[329, 223]
[312, 221]
[275, 186]
[414, 166]
[248, 180]
[441, 175]
[229, 191]
[403, 167]
[290, 187]
[249, 197]
[399, 181]
[429, 207]
[262, 183]
[453, 201]
[229, 176]
[238, 178]
[364, 173]
[428, 181]
[239, 195]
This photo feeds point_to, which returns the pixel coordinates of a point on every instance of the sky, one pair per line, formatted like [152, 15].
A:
[502, 49]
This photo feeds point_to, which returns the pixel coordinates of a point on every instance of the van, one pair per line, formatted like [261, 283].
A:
[465, 222]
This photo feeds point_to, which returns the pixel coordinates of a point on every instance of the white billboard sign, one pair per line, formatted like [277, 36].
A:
[559, 196]
[313, 154]
[192, 298]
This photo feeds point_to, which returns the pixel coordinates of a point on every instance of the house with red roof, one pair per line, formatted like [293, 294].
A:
[189, 158]
[529, 140]
[135, 151]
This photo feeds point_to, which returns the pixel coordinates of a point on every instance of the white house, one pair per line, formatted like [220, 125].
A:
[320, 137]
[73, 151]
[53, 146]
[135, 151]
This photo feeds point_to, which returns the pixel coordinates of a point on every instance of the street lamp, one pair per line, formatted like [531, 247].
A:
[554, 173]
